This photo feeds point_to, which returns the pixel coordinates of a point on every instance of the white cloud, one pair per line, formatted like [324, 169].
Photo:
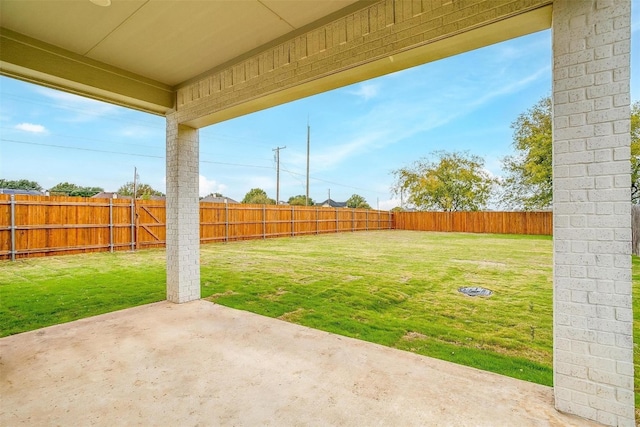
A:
[208, 186]
[390, 122]
[366, 90]
[387, 205]
[31, 127]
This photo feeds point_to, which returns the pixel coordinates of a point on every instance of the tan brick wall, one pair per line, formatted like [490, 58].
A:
[379, 31]
[183, 213]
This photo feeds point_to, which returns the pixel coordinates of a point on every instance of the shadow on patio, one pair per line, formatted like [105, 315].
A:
[204, 364]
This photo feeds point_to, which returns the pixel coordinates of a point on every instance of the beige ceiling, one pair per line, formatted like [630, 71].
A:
[136, 52]
[166, 41]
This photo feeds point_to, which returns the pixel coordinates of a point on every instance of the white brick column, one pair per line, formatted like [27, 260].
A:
[593, 318]
[183, 212]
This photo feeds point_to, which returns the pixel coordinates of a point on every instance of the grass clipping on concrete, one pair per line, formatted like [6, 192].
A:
[396, 288]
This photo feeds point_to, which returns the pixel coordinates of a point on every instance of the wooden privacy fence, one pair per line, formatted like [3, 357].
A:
[477, 222]
[40, 225]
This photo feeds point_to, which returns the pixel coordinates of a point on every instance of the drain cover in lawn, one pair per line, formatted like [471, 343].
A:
[475, 291]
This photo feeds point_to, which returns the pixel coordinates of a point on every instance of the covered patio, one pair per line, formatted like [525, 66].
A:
[200, 363]
[200, 63]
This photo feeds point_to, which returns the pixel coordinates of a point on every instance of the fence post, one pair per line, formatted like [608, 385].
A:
[226, 222]
[13, 227]
[337, 220]
[366, 220]
[293, 222]
[264, 222]
[317, 221]
[353, 220]
[133, 223]
[110, 225]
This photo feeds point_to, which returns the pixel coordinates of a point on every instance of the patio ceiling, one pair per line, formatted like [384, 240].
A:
[78, 45]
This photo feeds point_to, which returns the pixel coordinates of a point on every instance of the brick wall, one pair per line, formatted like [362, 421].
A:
[593, 319]
[183, 213]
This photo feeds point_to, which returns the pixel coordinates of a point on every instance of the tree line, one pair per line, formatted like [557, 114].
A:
[258, 196]
[458, 181]
[142, 191]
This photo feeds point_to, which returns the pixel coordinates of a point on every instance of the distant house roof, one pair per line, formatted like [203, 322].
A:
[214, 199]
[109, 195]
[19, 191]
[329, 203]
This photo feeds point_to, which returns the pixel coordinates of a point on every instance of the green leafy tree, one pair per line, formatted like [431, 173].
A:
[20, 184]
[300, 200]
[258, 196]
[142, 190]
[74, 190]
[635, 152]
[528, 183]
[357, 202]
[446, 181]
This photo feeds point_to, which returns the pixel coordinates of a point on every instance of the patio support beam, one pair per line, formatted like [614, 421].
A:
[183, 212]
[593, 317]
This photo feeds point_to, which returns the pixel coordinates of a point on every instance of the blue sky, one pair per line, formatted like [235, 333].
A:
[359, 133]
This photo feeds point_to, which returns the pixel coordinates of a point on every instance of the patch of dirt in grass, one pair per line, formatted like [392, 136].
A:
[274, 296]
[480, 263]
[214, 297]
[412, 336]
[350, 278]
[293, 316]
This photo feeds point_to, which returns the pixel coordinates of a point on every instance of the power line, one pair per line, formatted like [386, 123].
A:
[201, 161]
[125, 153]
[81, 148]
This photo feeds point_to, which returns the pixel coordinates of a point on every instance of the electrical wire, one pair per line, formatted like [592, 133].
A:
[201, 161]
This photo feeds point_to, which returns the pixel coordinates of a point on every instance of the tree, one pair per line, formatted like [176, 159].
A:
[142, 190]
[300, 200]
[528, 183]
[20, 184]
[635, 153]
[74, 190]
[357, 202]
[258, 196]
[446, 181]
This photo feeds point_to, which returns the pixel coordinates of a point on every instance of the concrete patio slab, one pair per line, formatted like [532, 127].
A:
[204, 364]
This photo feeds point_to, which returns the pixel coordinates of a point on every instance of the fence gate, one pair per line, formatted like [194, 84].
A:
[150, 224]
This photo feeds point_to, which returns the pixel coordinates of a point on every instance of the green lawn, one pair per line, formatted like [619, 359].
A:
[397, 288]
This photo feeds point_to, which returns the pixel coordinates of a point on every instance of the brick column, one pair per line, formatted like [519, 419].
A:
[183, 213]
[593, 318]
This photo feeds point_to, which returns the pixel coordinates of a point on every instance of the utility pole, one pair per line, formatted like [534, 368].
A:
[135, 181]
[277, 150]
[306, 200]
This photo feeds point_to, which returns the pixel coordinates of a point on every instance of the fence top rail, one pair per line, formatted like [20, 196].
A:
[54, 203]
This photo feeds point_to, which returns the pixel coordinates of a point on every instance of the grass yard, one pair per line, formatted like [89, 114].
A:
[398, 289]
